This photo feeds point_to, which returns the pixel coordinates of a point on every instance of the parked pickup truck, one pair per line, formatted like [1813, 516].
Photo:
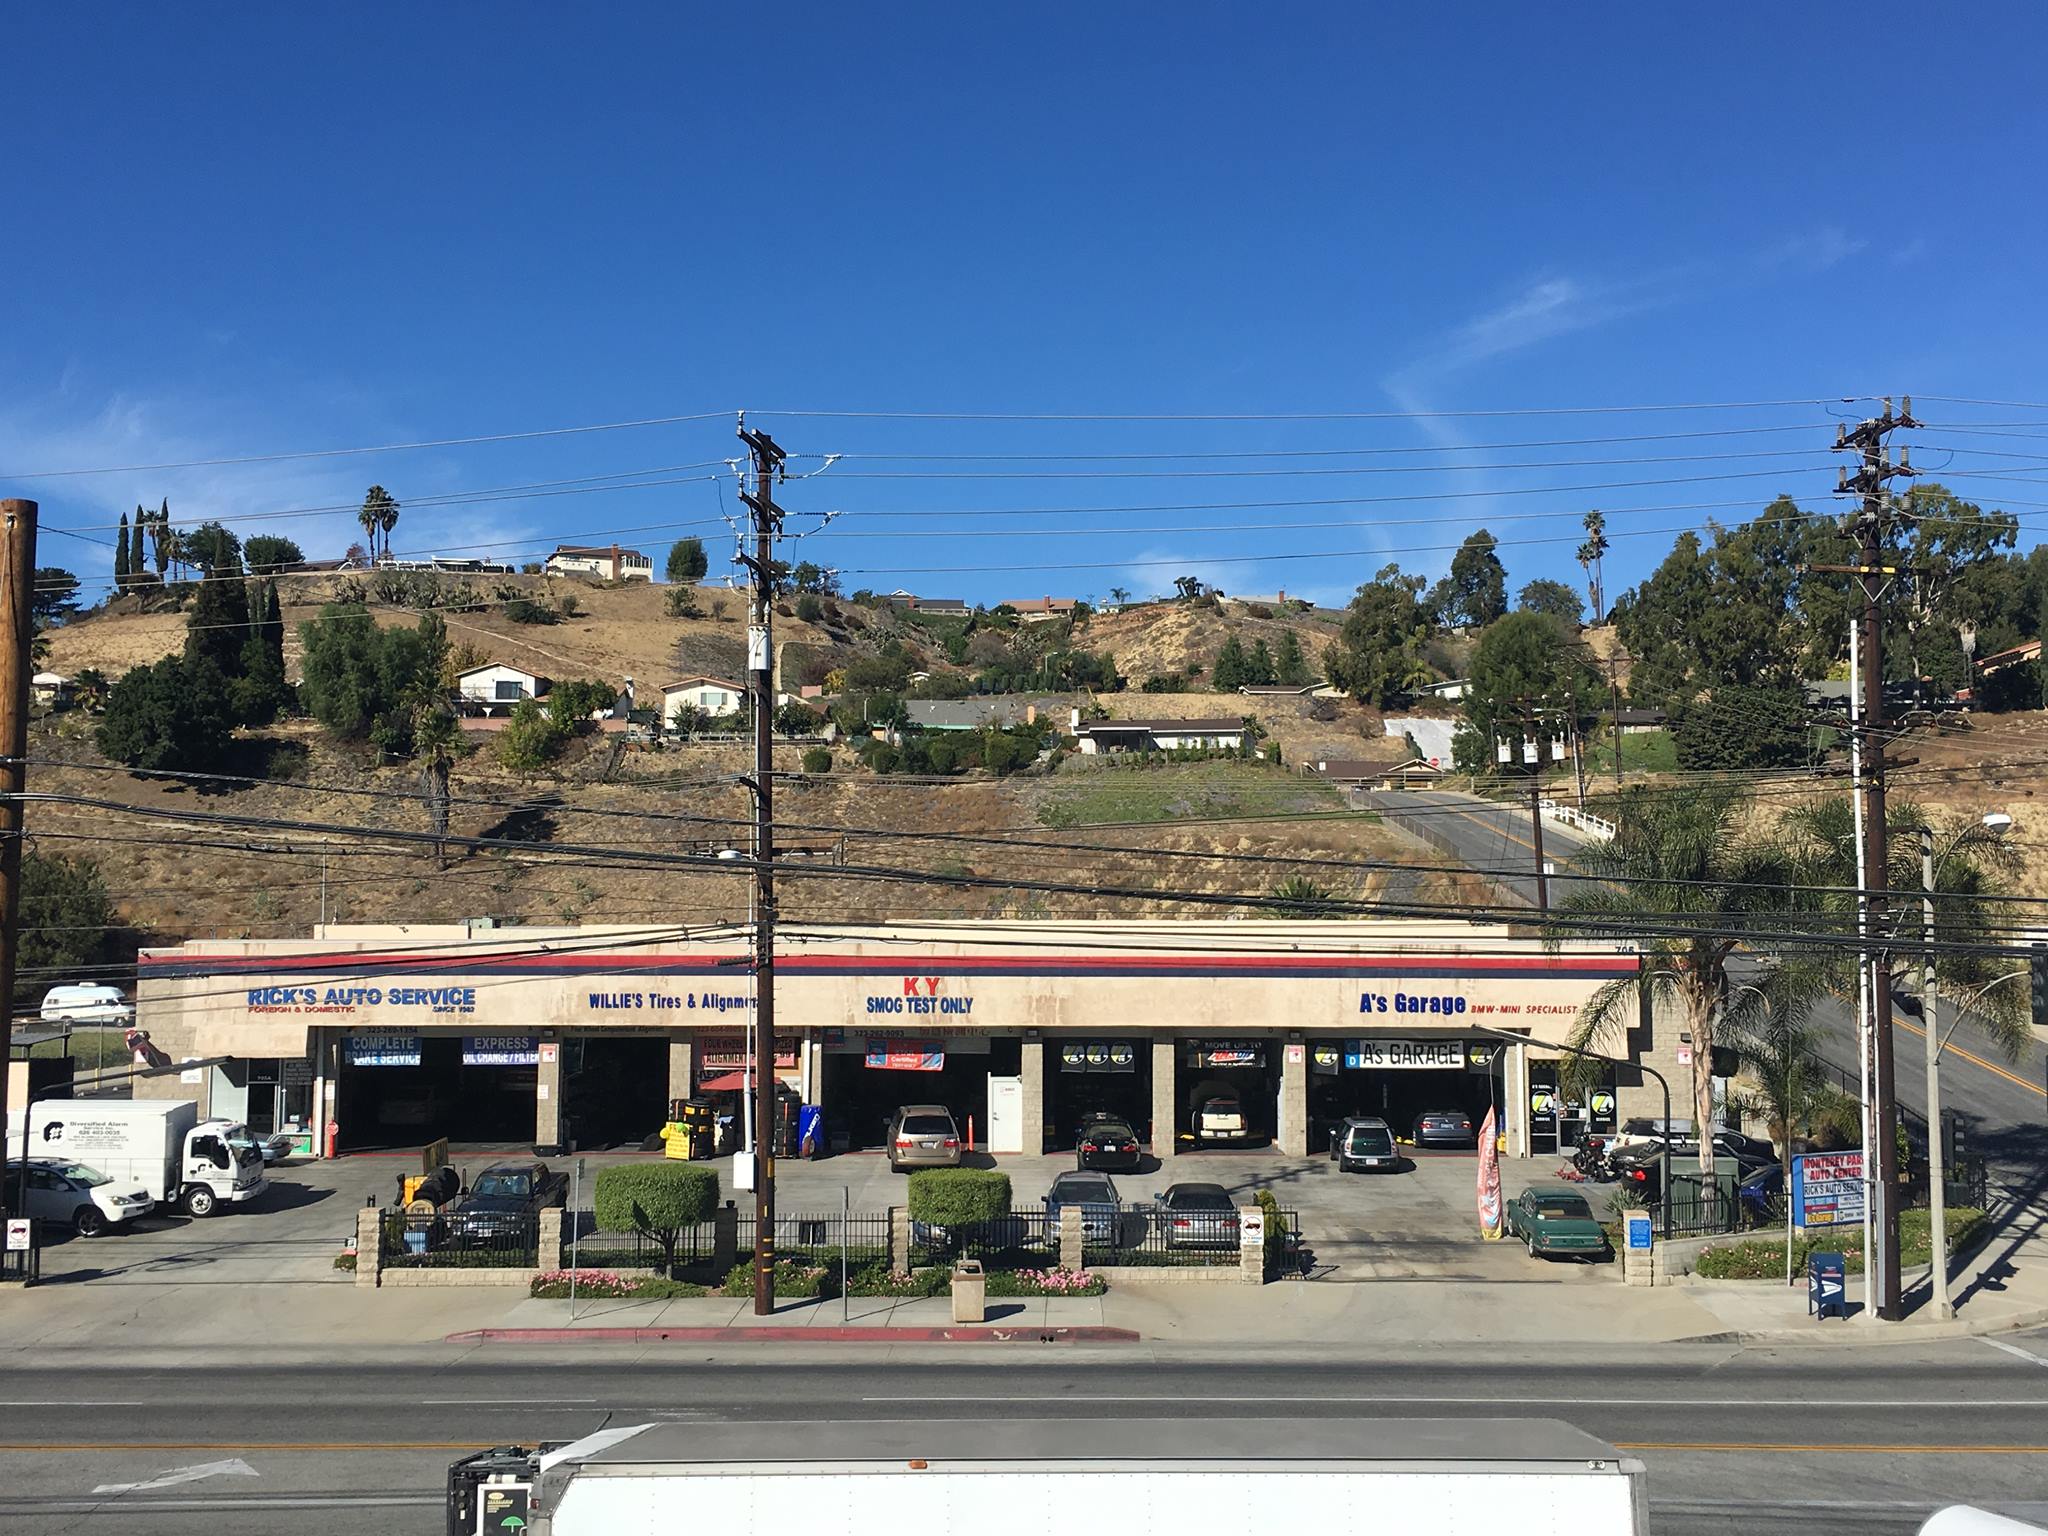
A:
[1531, 1477]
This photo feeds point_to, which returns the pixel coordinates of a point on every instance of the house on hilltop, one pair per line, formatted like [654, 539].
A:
[713, 696]
[1037, 610]
[937, 607]
[1103, 736]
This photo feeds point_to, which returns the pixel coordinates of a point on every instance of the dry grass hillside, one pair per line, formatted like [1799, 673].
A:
[1162, 638]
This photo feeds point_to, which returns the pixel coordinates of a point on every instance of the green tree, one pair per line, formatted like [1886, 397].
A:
[1230, 672]
[1478, 591]
[1377, 655]
[121, 566]
[1291, 666]
[658, 1199]
[817, 760]
[213, 549]
[815, 579]
[959, 1197]
[1687, 883]
[1738, 727]
[218, 623]
[686, 561]
[54, 595]
[67, 921]
[135, 556]
[1258, 666]
[160, 539]
[1591, 553]
[1553, 599]
[362, 682]
[1528, 677]
[173, 716]
[268, 554]
[259, 691]
[531, 739]
[795, 719]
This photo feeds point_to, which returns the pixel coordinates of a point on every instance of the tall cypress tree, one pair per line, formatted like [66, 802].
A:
[160, 539]
[259, 692]
[137, 561]
[121, 566]
[218, 626]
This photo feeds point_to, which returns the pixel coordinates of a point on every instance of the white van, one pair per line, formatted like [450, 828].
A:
[86, 1003]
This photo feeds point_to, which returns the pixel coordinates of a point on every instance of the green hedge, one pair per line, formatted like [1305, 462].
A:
[660, 1199]
[958, 1197]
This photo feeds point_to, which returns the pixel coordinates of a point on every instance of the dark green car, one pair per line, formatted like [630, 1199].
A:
[1555, 1220]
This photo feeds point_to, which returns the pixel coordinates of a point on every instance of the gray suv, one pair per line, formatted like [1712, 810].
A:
[923, 1136]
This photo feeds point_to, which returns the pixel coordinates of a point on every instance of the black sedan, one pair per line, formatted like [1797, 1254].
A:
[1445, 1128]
[1106, 1141]
[501, 1203]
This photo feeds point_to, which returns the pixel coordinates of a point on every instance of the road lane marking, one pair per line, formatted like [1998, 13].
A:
[501, 1402]
[32, 1447]
[1789, 1448]
[233, 1467]
[1975, 1060]
[84, 1402]
[1083, 1395]
[2014, 1349]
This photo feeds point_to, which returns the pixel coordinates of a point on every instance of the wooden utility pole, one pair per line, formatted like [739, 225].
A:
[1867, 438]
[761, 684]
[1536, 832]
[17, 635]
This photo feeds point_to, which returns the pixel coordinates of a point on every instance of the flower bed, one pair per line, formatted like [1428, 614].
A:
[553, 1285]
[799, 1279]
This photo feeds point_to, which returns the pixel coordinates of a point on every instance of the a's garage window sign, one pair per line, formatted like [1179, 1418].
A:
[1404, 1055]
[1098, 1056]
[1227, 1053]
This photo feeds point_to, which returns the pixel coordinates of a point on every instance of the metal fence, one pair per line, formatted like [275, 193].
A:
[1024, 1239]
[496, 1241]
[1156, 1238]
[21, 1264]
[816, 1238]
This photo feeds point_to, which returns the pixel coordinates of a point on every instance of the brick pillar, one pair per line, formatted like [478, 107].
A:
[1072, 1255]
[899, 1239]
[1165, 1068]
[369, 1245]
[682, 1059]
[547, 1097]
[1251, 1251]
[1033, 1073]
[549, 1255]
[1515, 1099]
[1293, 1106]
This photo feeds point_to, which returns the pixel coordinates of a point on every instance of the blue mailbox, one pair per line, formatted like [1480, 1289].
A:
[1826, 1285]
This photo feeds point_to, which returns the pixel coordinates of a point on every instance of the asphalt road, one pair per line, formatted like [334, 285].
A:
[1809, 1440]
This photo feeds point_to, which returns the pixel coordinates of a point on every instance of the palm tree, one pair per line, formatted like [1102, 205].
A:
[379, 514]
[1119, 596]
[1973, 869]
[1688, 882]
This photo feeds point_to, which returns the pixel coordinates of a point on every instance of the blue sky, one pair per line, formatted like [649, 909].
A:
[237, 231]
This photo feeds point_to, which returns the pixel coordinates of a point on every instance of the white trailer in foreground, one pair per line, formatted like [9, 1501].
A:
[1051, 1477]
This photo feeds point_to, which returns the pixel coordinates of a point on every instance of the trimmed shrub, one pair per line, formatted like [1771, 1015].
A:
[958, 1197]
[791, 1279]
[659, 1199]
[817, 760]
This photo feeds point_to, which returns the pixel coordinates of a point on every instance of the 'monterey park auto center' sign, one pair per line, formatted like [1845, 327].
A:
[1827, 1189]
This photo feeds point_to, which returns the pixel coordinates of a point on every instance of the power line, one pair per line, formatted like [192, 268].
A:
[1447, 415]
[336, 453]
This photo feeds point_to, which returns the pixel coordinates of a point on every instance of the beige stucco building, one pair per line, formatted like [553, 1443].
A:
[401, 1034]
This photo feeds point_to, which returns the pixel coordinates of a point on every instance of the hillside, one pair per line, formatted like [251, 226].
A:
[174, 880]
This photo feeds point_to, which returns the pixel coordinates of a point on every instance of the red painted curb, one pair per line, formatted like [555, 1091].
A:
[797, 1334]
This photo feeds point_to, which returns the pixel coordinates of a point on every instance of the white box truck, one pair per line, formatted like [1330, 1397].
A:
[1049, 1477]
[161, 1144]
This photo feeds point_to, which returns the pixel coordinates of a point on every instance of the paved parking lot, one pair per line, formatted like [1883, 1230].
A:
[1417, 1224]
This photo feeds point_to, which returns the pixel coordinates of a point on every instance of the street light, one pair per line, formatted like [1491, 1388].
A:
[1997, 823]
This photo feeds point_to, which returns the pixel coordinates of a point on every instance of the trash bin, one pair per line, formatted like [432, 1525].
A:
[970, 1292]
[1826, 1285]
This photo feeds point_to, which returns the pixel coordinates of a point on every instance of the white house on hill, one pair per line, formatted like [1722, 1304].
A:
[495, 687]
[608, 561]
[713, 695]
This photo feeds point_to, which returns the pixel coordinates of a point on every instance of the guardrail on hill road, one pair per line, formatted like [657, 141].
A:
[1599, 828]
